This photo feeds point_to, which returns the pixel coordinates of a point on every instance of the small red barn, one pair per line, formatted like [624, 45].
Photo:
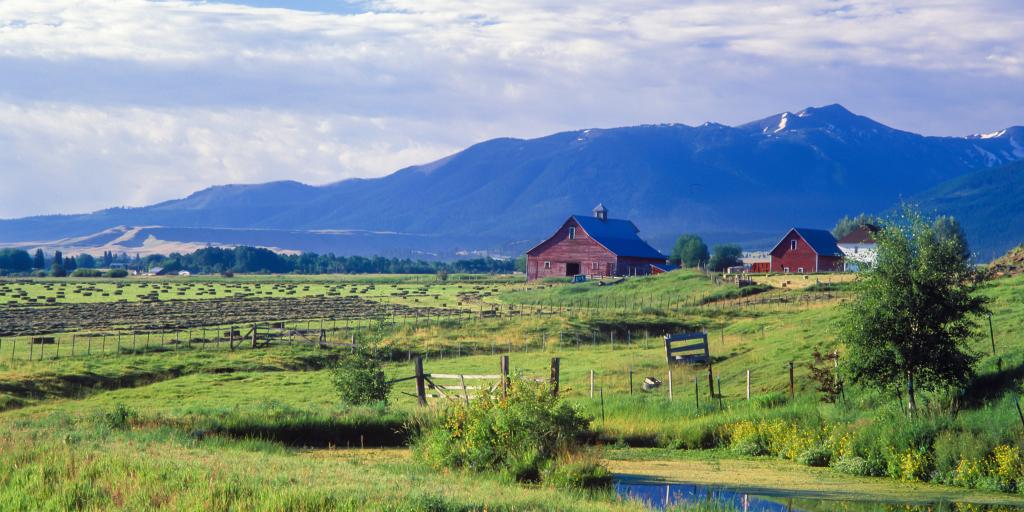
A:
[595, 246]
[805, 250]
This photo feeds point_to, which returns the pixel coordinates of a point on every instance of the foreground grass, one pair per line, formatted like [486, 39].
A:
[156, 471]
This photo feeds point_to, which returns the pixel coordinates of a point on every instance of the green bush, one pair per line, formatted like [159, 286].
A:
[120, 417]
[951, 447]
[359, 378]
[86, 272]
[578, 473]
[859, 466]
[117, 272]
[816, 456]
[518, 436]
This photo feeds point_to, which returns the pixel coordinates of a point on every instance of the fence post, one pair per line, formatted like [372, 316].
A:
[748, 384]
[591, 384]
[31, 348]
[1019, 412]
[630, 380]
[73, 345]
[421, 390]
[711, 382]
[992, 335]
[720, 405]
[555, 363]
[792, 387]
[669, 383]
[696, 392]
[504, 376]
[253, 335]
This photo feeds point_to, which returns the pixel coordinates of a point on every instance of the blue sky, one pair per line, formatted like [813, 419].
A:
[131, 102]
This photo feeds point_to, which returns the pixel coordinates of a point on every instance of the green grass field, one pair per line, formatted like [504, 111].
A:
[217, 429]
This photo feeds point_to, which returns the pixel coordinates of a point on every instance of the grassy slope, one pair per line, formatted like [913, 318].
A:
[266, 380]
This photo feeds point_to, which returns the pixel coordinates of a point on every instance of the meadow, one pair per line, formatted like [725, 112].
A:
[179, 425]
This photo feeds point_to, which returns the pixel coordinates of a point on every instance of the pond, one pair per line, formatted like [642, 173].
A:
[658, 495]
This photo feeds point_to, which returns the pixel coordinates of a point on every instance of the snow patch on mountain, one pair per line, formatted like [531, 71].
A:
[783, 121]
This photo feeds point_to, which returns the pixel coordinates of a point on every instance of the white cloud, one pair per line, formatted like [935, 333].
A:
[64, 158]
[159, 98]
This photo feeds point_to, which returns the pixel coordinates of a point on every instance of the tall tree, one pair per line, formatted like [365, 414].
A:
[15, 260]
[847, 225]
[948, 228]
[914, 311]
[725, 256]
[86, 261]
[39, 260]
[58, 258]
[689, 251]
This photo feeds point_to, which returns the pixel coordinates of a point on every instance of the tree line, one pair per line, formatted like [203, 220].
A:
[242, 259]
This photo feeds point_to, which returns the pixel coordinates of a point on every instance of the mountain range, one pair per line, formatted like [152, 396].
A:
[744, 184]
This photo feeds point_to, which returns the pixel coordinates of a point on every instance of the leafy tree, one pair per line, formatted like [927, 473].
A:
[39, 260]
[689, 251]
[86, 261]
[948, 228]
[15, 260]
[847, 225]
[70, 264]
[521, 264]
[58, 270]
[725, 256]
[359, 375]
[914, 311]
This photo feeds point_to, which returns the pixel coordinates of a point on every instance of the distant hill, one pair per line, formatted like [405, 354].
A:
[989, 205]
[745, 184]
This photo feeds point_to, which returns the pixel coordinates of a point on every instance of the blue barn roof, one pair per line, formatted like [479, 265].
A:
[820, 240]
[619, 236]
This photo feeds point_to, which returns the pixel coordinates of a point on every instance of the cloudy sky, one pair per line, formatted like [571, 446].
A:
[128, 102]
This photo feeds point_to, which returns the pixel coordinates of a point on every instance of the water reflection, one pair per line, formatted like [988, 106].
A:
[661, 495]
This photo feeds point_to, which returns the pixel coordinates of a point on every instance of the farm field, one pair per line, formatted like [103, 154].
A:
[200, 414]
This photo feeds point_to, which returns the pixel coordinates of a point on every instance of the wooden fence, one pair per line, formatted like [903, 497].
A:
[453, 386]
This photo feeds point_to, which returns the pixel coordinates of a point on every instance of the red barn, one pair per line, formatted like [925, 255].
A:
[805, 250]
[595, 246]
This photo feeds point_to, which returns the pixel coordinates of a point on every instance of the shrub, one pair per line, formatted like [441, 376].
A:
[578, 472]
[852, 465]
[950, 448]
[1007, 467]
[86, 272]
[117, 272]
[120, 417]
[517, 436]
[816, 456]
[910, 465]
[359, 378]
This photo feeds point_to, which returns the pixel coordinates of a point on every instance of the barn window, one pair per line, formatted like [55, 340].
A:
[547, 264]
[792, 244]
[785, 269]
[593, 265]
[572, 232]
[800, 270]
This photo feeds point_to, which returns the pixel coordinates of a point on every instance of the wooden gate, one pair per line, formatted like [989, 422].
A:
[694, 353]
